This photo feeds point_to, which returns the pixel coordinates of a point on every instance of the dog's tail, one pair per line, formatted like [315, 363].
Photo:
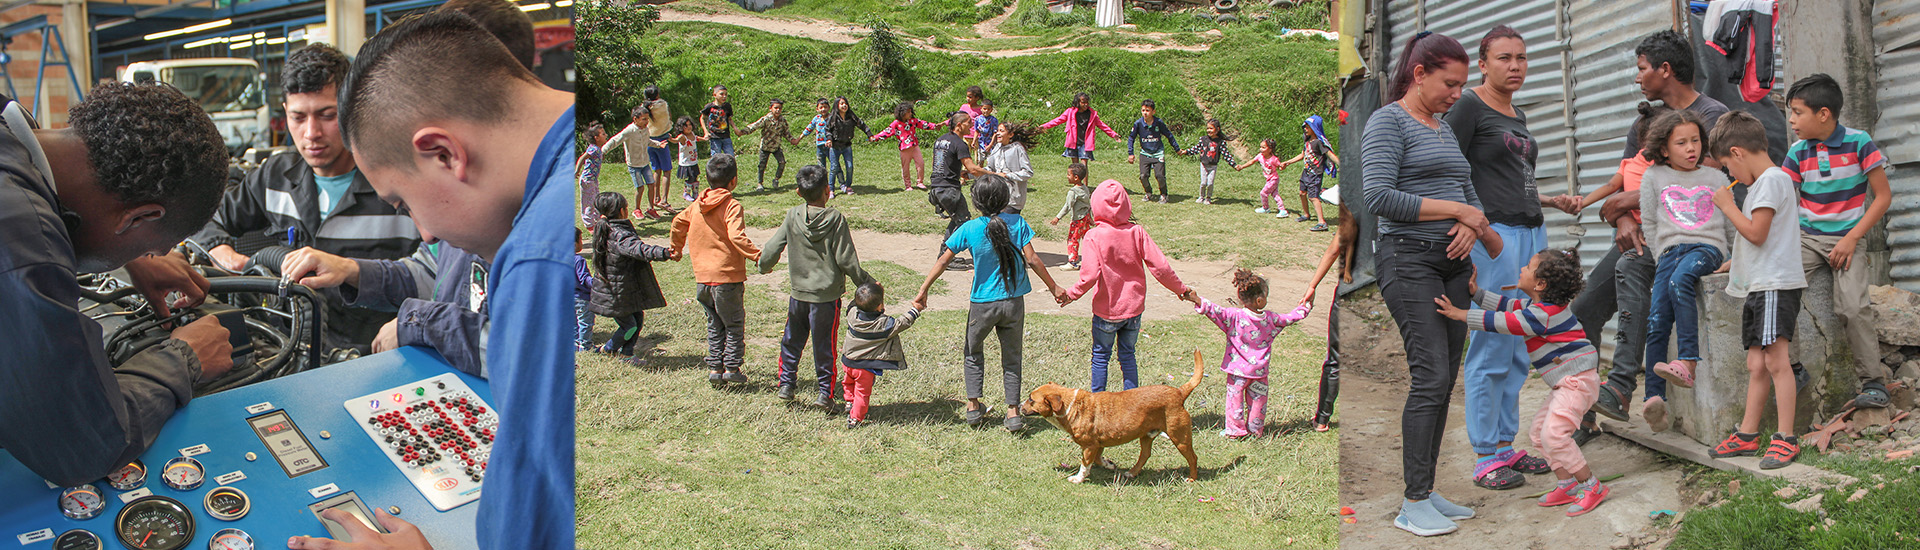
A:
[1199, 370]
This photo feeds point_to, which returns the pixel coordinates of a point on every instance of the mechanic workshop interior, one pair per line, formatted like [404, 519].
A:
[333, 410]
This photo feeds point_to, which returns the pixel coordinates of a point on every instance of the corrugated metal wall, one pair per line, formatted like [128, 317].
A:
[1896, 34]
[1604, 99]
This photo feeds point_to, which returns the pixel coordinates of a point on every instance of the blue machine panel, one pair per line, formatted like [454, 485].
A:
[312, 400]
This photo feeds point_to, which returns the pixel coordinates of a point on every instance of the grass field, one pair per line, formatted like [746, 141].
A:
[1888, 516]
[1259, 86]
[666, 461]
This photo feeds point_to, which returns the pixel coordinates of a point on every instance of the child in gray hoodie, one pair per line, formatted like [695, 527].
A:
[823, 259]
[873, 345]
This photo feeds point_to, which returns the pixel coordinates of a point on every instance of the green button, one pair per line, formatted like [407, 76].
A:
[420, 391]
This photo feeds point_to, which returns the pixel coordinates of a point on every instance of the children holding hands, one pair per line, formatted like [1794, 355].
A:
[1119, 256]
[711, 231]
[1250, 333]
[822, 260]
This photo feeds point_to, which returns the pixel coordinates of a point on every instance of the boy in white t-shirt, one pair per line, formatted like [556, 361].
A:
[1766, 271]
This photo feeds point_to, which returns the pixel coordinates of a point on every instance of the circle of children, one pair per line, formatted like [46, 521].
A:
[619, 281]
[1448, 170]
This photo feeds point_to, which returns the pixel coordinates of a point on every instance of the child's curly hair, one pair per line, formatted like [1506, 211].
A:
[1560, 270]
[1661, 129]
[1248, 285]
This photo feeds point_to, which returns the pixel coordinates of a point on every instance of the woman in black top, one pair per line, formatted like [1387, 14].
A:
[1493, 135]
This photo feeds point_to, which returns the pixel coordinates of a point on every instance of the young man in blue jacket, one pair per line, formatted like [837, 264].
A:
[447, 143]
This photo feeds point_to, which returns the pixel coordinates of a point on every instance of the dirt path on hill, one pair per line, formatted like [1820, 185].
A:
[1212, 279]
[844, 33]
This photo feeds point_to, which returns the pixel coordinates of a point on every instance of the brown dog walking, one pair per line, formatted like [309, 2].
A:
[1107, 419]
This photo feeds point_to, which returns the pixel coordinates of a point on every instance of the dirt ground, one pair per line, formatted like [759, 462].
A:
[1373, 393]
[1212, 279]
[843, 33]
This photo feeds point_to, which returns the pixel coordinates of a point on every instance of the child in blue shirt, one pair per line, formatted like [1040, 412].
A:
[984, 126]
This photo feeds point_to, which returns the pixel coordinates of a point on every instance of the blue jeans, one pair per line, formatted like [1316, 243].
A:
[821, 152]
[1106, 334]
[719, 145]
[582, 325]
[641, 175]
[840, 163]
[1497, 364]
[1676, 284]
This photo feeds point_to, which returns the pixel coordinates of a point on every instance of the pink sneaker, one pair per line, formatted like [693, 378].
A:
[1589, 499]
[1674, 373]
[1560, 496]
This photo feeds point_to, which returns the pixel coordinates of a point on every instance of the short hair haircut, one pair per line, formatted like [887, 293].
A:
[151, 144]
[986, 103]
[870, 296]
[1818, 92]
[720, 171]
[1670, 48]
[504, 20]
[1655, 144]
[1077, 170]
[641, 110]
[812, 180]
[1560, 270]
[1737, 129]
[717, 88]
[1146, 103]
[776, 101]
[313, 68]
[402, 79]
[1496, 33]
[823, 102]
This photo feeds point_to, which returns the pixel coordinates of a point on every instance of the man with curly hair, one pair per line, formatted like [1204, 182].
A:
[448, 142]
[139, 168]
[317, 198]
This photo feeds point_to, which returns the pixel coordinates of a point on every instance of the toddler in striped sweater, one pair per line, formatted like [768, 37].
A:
[1561, 355]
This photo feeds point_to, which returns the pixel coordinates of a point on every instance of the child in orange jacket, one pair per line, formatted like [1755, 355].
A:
[712, 232]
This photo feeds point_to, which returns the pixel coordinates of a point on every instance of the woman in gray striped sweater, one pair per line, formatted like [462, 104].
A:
[1417, 182]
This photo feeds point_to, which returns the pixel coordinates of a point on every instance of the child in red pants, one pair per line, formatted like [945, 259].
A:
[1078, 208]
[873, 346]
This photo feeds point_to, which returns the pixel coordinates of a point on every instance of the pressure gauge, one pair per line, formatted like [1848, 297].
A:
[128, 477]
[227, 503]
[154, 523]
[183, 474]
[83, 502]
[230, 539]
[77, 539]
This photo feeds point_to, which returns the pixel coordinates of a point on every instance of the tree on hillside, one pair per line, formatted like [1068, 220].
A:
[614, 64]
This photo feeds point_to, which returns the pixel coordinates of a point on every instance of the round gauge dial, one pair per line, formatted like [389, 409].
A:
[83, 502]
[227, 503]
[154, 523]
[230, 539]
[77, 539]
[128, 477]
[183, 474]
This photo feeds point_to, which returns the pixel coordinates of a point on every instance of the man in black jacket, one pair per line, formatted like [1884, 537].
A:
[140, 167]
[317, 198]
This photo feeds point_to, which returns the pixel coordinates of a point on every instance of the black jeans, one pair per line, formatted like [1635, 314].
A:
[779, 170]
[1154, 167]
[1330, 369]
[954, 203]
[1620, 283]
[627, 334]
[1412, 274]
[821, 322]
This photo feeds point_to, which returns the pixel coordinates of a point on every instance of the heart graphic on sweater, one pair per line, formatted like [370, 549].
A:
[1689, 207]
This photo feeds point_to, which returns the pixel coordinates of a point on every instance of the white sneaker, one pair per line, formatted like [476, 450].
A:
[1281, 215]
[1261, 210]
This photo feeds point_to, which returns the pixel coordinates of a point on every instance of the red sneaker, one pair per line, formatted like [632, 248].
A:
[1735, 445]
[1589, 499]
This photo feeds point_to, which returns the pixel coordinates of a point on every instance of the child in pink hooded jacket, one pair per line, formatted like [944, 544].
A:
[1118, 256]
[1250, 333]
[1081, 121]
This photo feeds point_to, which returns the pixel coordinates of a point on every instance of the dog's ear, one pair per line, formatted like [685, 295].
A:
[1053, 404]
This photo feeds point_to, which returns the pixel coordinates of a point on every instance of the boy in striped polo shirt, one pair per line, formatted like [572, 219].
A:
[1561, 355]
[1835, 166]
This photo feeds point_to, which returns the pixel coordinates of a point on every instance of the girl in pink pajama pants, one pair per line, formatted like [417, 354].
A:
[1250, 333]
[1560, 354]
